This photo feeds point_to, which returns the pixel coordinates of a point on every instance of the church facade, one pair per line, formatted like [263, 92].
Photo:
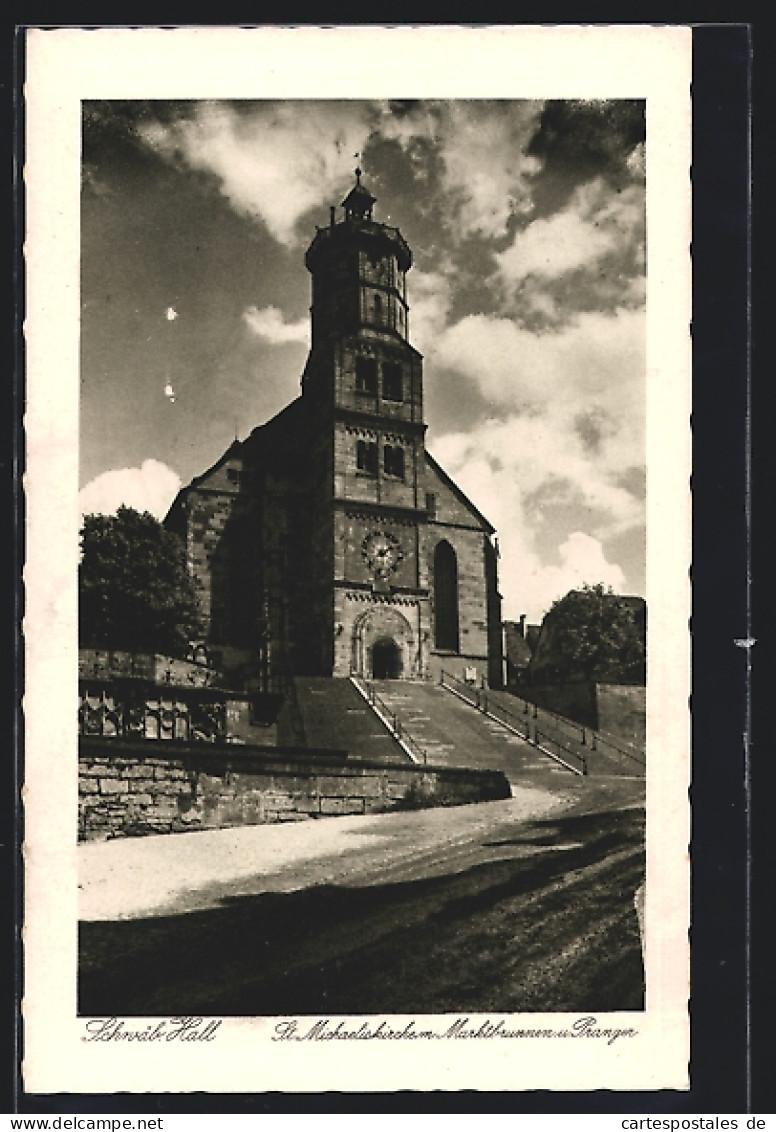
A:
[330, 542]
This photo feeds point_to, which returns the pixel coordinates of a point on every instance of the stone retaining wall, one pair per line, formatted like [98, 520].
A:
[131, 787]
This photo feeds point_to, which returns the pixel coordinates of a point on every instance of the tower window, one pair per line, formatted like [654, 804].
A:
[393, 389]
[393, 461]
[366, 375]
[366, 457]
[431, 504]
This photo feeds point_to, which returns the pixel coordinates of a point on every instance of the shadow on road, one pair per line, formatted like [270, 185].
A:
[532, 930]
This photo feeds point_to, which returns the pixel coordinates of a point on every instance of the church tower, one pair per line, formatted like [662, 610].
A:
[363, 381]
[330, 542]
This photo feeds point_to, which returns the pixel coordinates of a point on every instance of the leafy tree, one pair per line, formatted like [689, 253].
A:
[594, 634]
[134, 590]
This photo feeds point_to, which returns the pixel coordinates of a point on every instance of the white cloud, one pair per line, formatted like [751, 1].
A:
[485, 169]
[596, 361]
[486, 164]
[582, 560]
[429, 308]
[596, 222]
[274, 161]
[554, 246]
[278, 160]
[268, 323]
[151, 487]
[570, 428]
[502, 465]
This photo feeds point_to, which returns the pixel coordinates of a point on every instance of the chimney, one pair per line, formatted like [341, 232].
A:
[332, 214]
[522, 625]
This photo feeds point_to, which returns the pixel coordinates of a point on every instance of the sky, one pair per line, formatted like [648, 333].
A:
[527, 300]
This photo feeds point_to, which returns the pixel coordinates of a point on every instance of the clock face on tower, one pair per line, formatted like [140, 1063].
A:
[382, 553]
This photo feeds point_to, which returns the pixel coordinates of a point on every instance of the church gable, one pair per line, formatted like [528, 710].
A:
[446, 502]
[225, 474]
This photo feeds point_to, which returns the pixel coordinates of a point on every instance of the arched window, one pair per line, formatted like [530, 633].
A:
[445, 597]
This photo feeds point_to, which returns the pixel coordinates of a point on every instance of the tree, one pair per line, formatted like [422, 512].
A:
[134, 590]
[594, 634]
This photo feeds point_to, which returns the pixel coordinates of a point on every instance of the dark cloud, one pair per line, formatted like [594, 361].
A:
[580, 140]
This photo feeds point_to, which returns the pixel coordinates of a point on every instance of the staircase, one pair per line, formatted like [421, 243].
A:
[453, 733]
[449, 724]
[457, 725]
[328, 712]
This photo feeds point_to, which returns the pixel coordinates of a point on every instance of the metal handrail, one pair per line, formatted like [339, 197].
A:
[513, 722]
[543, 742]
[597, 738]
[589, 738]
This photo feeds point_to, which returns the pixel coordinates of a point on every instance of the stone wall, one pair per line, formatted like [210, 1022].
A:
[117, 664]
[622, 711]
[616, 709]
[131, 788]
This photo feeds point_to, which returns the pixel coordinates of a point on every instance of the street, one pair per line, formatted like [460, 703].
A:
[526, 904]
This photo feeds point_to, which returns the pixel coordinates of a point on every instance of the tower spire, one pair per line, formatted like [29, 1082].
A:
[359, 201]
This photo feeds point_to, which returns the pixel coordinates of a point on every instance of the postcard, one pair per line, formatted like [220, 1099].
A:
[357, 652]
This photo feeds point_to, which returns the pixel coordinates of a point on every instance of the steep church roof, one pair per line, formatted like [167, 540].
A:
[460, 495]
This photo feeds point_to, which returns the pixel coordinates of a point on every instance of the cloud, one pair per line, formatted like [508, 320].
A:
[582, 560]
[481, 146]
[268, 323]
[529, 579]
[431, 291]
[151, 487]
[276, 160]
[595, 361]
[273, 161]
[486, 166]
[558, 456]
[597, 222]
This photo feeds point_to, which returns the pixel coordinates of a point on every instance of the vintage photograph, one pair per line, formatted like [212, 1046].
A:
[363, 460]
[362, 603]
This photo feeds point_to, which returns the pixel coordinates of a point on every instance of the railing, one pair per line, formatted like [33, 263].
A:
[571, 741]
[562, 753]
[391, 721]
[578, 732]
[517, 723]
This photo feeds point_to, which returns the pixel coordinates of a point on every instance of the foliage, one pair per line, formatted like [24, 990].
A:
[134, 590]
[594, 634]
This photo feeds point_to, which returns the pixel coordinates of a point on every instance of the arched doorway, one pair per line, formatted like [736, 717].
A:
[383, 645]
[386, 659]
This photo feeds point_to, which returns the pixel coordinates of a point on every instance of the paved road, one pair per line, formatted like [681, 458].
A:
[523, 904]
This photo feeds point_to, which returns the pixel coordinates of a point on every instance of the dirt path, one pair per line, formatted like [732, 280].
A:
[525, 904]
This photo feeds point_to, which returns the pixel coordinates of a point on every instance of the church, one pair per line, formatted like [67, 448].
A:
[330, 542]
